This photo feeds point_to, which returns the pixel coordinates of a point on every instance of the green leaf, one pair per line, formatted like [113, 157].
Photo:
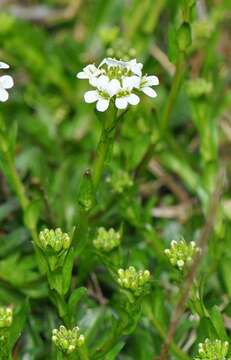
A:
[67, 271]
[19, 320]
[86, 196]
[31, 214]
[218, 323]
[112, 354]
[75, 297]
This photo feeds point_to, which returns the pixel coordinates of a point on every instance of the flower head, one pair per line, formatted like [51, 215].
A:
[118, 81]
[133, 280]
[54, 240]
[6, 82]
[212, 350]
[181, 254]
[6, 317]
[67, 341]
[107, 240]
[120, 181]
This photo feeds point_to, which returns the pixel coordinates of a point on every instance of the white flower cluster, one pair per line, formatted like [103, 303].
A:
[118, 81]
[6, 82]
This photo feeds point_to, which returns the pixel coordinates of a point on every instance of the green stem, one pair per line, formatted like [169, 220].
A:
[16, 181]
[19, 189]
[83, 353]
[180, 68]
[105, 142]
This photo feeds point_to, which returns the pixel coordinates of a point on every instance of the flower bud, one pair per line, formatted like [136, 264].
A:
[66, 340]
[107, 240]
[120, 181]
[181, 254]
[6, 317]
[212, 349]
[184, 37]
[133, 280]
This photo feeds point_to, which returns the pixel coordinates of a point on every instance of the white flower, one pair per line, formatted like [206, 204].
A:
[106, 89]
[89, 72]
[6, 82]
[124, 95]
[146, 83]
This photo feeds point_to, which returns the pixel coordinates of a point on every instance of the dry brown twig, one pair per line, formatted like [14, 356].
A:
[202, 242]
[42, 13]
[162, 58]
[168, 180]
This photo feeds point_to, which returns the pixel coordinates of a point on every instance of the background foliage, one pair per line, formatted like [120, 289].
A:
[55, 134]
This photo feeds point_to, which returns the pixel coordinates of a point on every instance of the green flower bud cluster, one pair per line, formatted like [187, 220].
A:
[67, 341]
[6, 317]
[133, 280]
[199, 87]
[54, 240]
[56, 248]
[202, 29]
[107, 240]
[109, 34]
[181, 254]
[120, 181]
[121, 50]
[212, 350]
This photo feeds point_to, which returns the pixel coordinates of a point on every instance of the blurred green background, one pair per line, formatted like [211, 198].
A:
[47, 43]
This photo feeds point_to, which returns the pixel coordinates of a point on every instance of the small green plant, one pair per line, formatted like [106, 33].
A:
[67, 341]
[107, 240]
[98, 176]
[133, 280]
[181, 254]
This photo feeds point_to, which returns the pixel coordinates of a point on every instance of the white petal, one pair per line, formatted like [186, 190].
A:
[82, 75]
[102, 82]
[133, 99]
[149, 91]
[91, 70]
[121, 102]
[152, 80]
[3, 65]
[102, 104]
[93, 81]
[6, 81]
[113, 87]
[135, 81]
[103, 62]
[135, 67]
[129, 82]
[3, 95]
[91, 96]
